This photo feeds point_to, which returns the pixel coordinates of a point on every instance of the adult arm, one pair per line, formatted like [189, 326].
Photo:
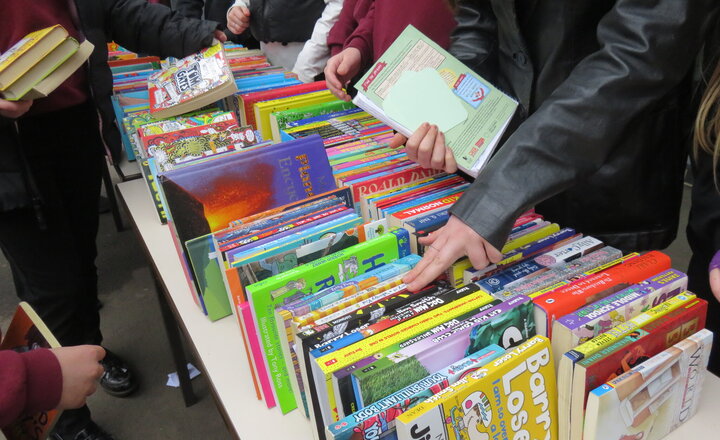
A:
[312, 58]
[29, 382]
[643, 53]
[189, 8]
[156, 29]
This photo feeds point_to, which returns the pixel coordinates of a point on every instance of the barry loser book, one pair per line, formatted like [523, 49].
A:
[417, 81]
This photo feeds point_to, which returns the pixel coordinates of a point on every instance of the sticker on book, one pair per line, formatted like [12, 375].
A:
[471, 90]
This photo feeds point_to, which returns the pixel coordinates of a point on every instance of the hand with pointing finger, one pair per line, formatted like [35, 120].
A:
[447, 245]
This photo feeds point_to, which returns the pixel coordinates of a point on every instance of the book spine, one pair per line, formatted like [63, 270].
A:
[648, 293]
[530, 237]
[619, 331]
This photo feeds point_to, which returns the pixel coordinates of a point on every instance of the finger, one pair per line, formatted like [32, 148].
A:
[99, 372]
[245, 11]
[413, 142]
[331, 79]
[492, 253]
[450, 163]
[439, 262]
[411, 276]
[425, 149]
[91, 390]
[437, 158]
[429, 239]
[99, 353]
[477, 256]
[397, 141]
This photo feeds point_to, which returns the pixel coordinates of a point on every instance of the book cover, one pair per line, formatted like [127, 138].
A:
[587, 322]
[567, 299]
[621, 356]
[511, 397]
[654, 398]
[268, 294]
[246, 101]
[26, 332]
[48, 84]
[378, 419]
[416, 81]
[507, 324]
[191, 83]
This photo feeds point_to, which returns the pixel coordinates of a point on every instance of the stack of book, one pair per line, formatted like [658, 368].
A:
[37, 64]
[306, 237]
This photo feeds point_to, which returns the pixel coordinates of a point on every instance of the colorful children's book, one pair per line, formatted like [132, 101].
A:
[191, 83]
[304, 280]
[378, 419]
[654, 398]
[27, 332]
[511, 397]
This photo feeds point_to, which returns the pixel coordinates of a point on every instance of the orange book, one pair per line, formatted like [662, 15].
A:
[570, 297]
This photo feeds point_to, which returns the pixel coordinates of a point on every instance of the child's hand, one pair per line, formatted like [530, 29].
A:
[340, 69]
[715, 275]
[427, 147]
[238, 19]
[80, 366]
[220, 36]
[14, 109]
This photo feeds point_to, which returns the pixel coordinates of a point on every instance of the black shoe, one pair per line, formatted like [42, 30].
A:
[91, 431]
[118, 379]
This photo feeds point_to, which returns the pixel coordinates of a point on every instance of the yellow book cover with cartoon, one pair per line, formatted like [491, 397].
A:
[513, 397]
[263, 109]
[15, 61]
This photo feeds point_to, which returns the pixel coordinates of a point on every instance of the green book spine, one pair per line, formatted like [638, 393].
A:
[265, 296]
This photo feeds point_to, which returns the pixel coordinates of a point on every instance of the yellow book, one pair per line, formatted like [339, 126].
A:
[324, 367]
[530, 237]
[59, 75]
[513, 397]
[263, 109]
[27, 52]
[43, 68]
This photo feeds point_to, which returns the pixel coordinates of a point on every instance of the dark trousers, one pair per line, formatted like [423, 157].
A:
[54, 268]
[703, 233]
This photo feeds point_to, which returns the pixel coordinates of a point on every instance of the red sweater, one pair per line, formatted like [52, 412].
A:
[29, 382]
[371, 27]
[19, 18]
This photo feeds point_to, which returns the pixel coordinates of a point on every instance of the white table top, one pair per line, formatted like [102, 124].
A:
[221, 351]
[218, 344]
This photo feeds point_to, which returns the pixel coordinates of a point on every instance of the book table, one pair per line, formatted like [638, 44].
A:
[221, 354]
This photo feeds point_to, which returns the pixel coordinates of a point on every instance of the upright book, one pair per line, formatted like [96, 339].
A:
[417, 81]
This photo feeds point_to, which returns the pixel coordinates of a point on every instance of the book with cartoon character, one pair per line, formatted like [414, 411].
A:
[652, 399]
[512, 397]
[304, 280]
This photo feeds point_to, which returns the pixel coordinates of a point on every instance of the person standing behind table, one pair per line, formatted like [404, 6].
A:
[213, 10]
[366, 28]
[703, 229]
[598, 143]
[51, 159]
[292, 33]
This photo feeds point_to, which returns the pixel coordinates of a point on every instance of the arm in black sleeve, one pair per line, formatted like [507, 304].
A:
[155, 29]
[643, 53]
[189, 8]
[474, 40]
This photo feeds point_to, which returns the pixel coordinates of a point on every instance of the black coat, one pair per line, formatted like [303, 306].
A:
[600, 139]
[284, 21]
[135, 24]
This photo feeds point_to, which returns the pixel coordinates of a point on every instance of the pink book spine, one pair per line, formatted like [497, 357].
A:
[256, 351]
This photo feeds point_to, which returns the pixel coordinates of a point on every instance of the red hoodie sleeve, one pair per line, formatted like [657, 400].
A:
[343, 27]
[29, 382]
[362, 36]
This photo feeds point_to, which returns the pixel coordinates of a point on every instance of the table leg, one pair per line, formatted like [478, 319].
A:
[176, 346]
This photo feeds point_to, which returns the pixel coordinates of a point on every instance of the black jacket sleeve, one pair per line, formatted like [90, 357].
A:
[155, 29]
[189, 8]
[643, 53]
[474, 40]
